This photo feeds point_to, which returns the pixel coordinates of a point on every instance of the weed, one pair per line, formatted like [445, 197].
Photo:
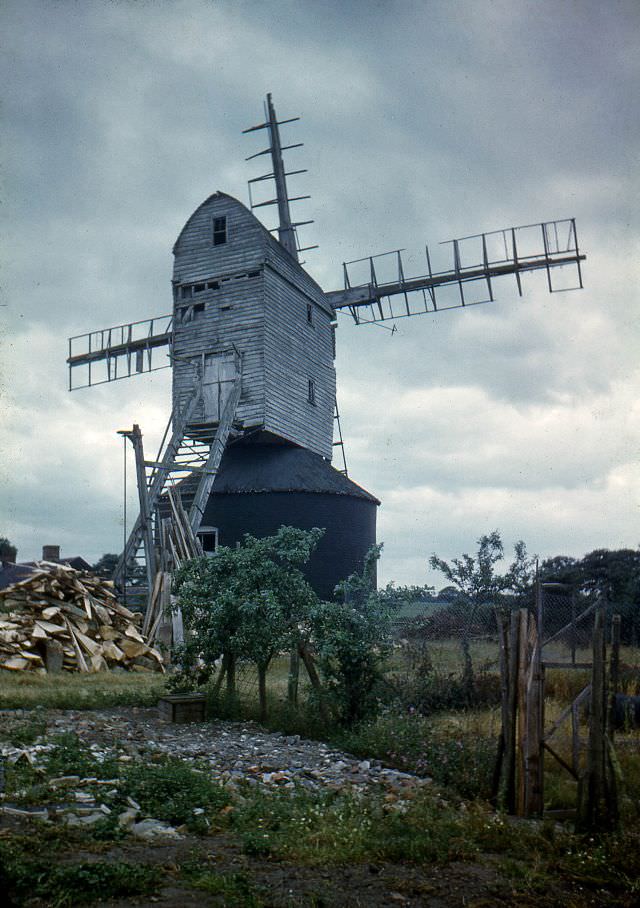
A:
[234, 889]
[21, 732]
[330, 828]
[449, 754]
[28, 877]
[70, 757]
[171, 790]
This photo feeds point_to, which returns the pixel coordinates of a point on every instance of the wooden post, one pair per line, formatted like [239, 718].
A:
[522, 729]
[534, 700]
[262, 690]
[590, 814]
[508, 793]
[502, 622]
[614, 671]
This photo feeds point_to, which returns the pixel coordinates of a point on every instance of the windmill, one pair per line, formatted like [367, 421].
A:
[251, 342]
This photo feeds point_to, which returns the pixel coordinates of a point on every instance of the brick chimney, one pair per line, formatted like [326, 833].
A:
[51, 553]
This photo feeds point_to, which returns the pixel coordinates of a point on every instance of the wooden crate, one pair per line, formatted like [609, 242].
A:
[182, 708]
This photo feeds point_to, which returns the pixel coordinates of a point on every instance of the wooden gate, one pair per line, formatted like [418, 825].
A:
[526, 739]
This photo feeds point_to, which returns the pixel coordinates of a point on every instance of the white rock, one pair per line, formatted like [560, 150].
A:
[151, 829]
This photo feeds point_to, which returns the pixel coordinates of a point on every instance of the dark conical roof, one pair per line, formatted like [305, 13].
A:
[280, 468]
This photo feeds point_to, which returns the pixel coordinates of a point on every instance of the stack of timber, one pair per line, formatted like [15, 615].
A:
[178, 543]
[62, 619]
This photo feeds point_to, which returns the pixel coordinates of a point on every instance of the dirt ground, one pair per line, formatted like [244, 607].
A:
[280, 884]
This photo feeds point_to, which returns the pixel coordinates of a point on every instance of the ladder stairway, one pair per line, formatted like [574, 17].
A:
[190, 453]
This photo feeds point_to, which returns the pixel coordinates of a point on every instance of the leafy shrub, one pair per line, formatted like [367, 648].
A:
[351, 638]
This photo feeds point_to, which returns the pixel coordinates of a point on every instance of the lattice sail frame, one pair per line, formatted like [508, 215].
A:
[480, 258]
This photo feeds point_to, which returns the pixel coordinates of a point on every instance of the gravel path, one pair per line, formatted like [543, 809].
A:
[235, 751]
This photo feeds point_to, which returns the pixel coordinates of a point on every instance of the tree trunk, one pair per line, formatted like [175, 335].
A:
[314, 678]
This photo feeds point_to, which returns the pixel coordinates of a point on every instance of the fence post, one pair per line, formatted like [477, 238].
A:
[614, 671]
[591, 811]
[508, 797]
[522, 723]
[502, 622]
[534, 701]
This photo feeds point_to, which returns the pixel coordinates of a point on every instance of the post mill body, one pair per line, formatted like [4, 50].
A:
[251, 343]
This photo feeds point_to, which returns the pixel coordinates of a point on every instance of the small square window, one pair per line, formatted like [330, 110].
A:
[309, 314]
[198, 288]
[219, 231]
[312, 392]
[186, 292]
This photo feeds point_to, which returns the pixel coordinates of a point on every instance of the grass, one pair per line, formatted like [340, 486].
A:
[79, 691]
[235, 889]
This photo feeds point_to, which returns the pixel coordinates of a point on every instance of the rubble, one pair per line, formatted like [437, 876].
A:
[61, 619]
[232, 753]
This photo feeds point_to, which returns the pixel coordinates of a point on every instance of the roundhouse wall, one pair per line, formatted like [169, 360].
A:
[349, 523]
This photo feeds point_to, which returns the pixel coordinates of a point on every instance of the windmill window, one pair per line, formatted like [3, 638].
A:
[198, 288]
[208, 536]
[312, 392]
[213, 285]
[219, 231]
[199, 307]
[309, 314]
[186, 292]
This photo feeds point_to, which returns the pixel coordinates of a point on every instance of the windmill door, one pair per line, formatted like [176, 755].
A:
[217, 381]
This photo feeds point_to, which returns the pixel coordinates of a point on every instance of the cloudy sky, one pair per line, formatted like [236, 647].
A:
[422, 121]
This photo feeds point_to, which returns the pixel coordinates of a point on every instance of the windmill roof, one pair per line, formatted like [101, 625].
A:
[251, 468]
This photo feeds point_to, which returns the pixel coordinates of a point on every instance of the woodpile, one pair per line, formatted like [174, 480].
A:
[62, 619]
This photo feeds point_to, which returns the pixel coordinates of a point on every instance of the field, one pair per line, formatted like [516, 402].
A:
[250, 844]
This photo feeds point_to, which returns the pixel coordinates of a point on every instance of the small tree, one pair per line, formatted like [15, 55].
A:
[249, 602]
[478, 583]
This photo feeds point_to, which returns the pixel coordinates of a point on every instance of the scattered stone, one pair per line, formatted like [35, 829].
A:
[89, 819]
[151, 829]
[32, 813]
[235, 754]
[128, 817]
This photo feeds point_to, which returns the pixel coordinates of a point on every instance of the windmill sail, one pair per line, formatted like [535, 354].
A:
[476, 260]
